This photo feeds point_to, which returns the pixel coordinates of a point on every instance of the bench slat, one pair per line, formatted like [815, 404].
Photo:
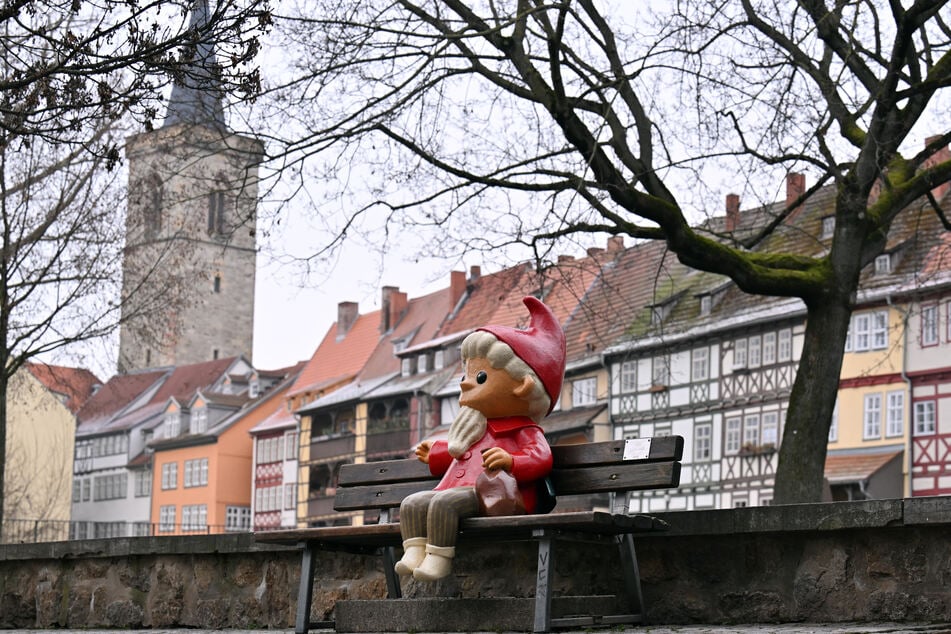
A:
[587, 454]
[383, 472]
[619, 477]
[377, 496]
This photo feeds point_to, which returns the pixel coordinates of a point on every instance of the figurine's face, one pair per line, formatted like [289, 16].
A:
[493, 392]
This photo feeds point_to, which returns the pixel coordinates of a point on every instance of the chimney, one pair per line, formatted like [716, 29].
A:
[565, 258]
[732, 212]
[594, 252]
[457, 287]
[615, 244]
[475, 272]
[942, 155]
[795, 187]
[393, 304]
[347, 313]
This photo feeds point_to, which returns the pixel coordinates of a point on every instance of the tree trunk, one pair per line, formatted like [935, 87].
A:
[802, 453]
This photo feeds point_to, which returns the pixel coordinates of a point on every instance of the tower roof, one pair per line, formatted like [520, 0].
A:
[196, 94]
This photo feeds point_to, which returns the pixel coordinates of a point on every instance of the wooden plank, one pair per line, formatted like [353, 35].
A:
[618, 477]
[662, 448]
[377, 496]
[384, 471]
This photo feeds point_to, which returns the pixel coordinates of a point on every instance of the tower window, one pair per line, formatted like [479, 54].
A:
[214, 354]
[217, 284]
[152, 212]
[216, 213]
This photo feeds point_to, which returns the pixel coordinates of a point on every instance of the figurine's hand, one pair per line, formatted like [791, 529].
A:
[422, 451]
[496, 458]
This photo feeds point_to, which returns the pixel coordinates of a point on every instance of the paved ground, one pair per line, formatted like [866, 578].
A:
[798, 628]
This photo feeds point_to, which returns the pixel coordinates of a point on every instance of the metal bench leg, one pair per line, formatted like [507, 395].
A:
[543, 583]
[305, 593]
[389, 571]
[632, 576]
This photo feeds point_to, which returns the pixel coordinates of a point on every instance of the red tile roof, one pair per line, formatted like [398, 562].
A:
[853, 467]
[76, 385]
[339, 358]
[117, 393]
[185, 380]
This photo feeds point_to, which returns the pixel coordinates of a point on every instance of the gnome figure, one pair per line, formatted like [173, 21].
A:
[512, 380]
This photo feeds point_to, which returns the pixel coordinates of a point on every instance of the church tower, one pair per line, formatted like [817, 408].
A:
[189, 265]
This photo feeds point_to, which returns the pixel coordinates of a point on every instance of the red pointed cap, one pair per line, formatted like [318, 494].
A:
[541, 346]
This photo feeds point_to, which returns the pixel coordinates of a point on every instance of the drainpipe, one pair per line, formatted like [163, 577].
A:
[904, 377]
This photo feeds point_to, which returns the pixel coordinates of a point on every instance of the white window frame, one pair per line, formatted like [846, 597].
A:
[703, 442]
[584, 391]
[751, 430]
[925, 418]
[769, 348]
[199, 420]
[628, 377]
[883, 264]
[895, 414]
[290, 445]
[755, 351]
[290, 496]
[237, 519]
[167, 518]
[169, 476]
[784, 345]
[734, 435]
[769, 429]
[862, 332]
[172, 424]
[739, 353]
[834, 425]
[872, 416]
[143, 483]
[929, 325]
[880, 330]
[700, 364]
[660, 371]
[828, 227]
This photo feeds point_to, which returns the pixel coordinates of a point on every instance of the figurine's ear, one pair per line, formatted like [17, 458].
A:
[523, 390]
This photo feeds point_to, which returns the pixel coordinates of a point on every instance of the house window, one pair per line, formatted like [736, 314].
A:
[290, 496]
[629, 376]
[199, 422]
[87, 489]
[828, 227]
[872, 416]
[895, 413]
[929, 325]
[439, 359]
[739, 353]
[883, 264]
[422, 364]
[662, 429]
[834, 425]
[143, 484]
[755, 351]
[702, 437]
[734, 427]
[924, 418]
[751, 431]
[169, 476]
[238, 518]
[879, 330]
[406, 367]
[771, 428]
[110, 487]
[769, 348]
[77, 490]
[784, 345]
[584, 391]
[269, 449]
[700, 364]
[172, 424]
[167, 518]
[947, 321]
[196, 472]
[706, 304]
[194, 517]
[660, 372]
[290, 445]
[861, 332]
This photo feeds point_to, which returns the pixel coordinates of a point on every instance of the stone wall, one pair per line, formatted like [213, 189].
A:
[856, 561]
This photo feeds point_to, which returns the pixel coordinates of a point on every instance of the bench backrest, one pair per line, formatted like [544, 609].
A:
[614, 465]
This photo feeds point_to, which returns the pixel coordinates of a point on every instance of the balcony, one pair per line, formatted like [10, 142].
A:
[392, 439]
[326, 447]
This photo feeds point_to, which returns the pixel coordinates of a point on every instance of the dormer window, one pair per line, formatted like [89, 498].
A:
[439, 360]
[406, 367]
[883, 264]
[254, 386]
[199, 420]
[172, 424]
[422, 364]
[828, 227]
[706, 304]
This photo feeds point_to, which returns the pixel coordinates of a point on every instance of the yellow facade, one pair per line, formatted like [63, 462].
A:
[39, 459]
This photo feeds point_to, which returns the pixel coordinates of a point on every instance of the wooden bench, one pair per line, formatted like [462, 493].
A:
[585, 469]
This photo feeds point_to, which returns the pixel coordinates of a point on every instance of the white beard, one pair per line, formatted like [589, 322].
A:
[467, 429]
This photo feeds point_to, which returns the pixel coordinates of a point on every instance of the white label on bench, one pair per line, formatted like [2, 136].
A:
[637, 448]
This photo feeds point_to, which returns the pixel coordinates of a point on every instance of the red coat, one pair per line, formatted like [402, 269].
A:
[519, 435]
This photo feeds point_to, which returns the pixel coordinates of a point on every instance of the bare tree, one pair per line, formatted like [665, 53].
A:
[528, 122]
[72, 74]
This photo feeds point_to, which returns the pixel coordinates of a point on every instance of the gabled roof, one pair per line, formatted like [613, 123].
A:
[116, 396]
[74, 385]
[494, 299]
[185, 380]
[339, 358]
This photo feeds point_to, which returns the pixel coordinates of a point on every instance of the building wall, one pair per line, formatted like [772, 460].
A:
[39, 458]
